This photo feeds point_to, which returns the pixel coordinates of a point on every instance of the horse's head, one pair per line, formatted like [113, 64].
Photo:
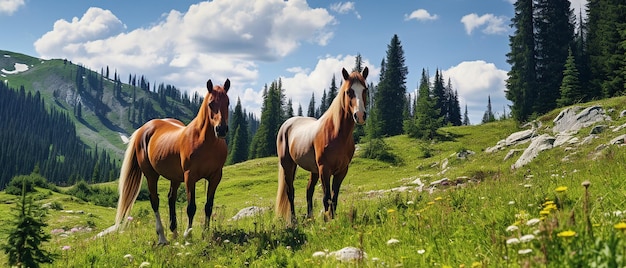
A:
[355, 90]
[217, 102]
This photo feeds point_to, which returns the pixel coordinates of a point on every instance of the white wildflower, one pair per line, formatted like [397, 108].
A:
[512, 228]
[421, 251]
[524, 251]
[512, 241]
[533, 221]
[129, 257]
[527, 238]
[319, 254]
[393, 241]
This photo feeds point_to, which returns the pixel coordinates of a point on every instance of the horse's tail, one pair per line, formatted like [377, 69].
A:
[129, 184]
[283, 207]
[129, 181]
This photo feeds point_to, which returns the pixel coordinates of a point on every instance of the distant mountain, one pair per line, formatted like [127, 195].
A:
[104, 106]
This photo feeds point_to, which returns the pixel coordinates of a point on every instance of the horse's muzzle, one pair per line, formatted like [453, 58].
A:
[221, 131]
[361, 120]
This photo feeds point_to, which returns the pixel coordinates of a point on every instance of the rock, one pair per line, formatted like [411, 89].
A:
[539, 144]
[572, 119]
[349, 254]
[618, 140]
[248, 212]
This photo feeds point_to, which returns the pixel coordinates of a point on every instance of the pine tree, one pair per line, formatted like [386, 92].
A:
[311, 111]
[571, 92]
[466, 121]
[26, 235]
[427, 119]
[488, 116]
[520, 86]
[238, 145]
[264, 141]
[440, 98]
[554, 35]
[390, 95]
[300, 110]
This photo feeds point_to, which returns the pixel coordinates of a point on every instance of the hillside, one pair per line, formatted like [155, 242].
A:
[105, 103]
[436, 208]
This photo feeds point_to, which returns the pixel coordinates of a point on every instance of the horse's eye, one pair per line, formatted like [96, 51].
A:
[212, 106]
[350, 93]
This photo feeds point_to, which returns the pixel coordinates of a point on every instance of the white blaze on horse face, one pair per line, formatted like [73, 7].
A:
[359, 112]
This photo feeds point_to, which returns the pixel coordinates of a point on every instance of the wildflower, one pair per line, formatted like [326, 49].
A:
[66, 248]
[527, 238]
[421, 251]
[544, 212]
[410, 202]
[393, 241]
[476, 264]
[511, 202]
[547, 203]
[430, 203]
[319, 254]
[129, 257]
[568, 233]
[532, 222]
[512, 241]
[561, 189]
[621, 226]
[130, 218]
[512, 228]
[528, 185]
[144, 264]
[438, 198]
[391, 210]
[524, 251]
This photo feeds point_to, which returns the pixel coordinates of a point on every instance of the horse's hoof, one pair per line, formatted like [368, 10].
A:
[163, 243]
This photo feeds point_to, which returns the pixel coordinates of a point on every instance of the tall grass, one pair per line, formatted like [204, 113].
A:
[486, 215]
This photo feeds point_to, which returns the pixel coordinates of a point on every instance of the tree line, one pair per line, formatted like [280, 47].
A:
[558, 60]
[33, 137]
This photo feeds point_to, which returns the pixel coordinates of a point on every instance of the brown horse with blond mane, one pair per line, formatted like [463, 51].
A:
[168, 148]
[323, 147]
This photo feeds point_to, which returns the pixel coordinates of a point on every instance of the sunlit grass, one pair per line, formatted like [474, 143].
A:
[550, 213]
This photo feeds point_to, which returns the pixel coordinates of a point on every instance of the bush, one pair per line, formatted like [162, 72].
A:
[33, 180]
[379, 150]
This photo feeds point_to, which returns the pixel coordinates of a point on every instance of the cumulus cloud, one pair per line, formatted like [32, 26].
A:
[420, 15]
[10, 6]
[303, 83]
[475, 81]
[211, 40]
[489, 23]
[344, 8]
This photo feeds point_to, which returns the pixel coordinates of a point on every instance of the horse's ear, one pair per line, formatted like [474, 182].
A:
[346, 75]
[209, 86]
[365, 72]
[227, 85]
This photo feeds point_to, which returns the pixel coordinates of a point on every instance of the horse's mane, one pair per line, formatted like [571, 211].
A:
[336, 112]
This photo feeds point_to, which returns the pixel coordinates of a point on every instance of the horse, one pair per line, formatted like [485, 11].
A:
[324, 147]
[168, 148]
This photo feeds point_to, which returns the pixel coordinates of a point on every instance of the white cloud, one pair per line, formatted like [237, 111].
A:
[344, 8]
[10, 6]
[475, 81]
[302, 84]
[421, 15]
[211, 40]
[490, 23]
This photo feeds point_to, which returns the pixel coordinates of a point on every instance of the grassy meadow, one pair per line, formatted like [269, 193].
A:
[488, 215]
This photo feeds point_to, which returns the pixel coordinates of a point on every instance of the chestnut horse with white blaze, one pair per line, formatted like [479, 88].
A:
[168, 148]
[323, 146]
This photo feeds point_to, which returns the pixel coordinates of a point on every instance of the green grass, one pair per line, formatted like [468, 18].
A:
[462, 225]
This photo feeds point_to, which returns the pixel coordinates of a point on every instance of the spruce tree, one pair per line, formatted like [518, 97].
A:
[466, 121]
[311, 110]
[26, 235]
[238, 144]
[427, 119]
[488, 116]
[520, 86]
[390, 94]
[571, 92]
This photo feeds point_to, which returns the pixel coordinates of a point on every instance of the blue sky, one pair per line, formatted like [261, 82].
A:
[253, 43]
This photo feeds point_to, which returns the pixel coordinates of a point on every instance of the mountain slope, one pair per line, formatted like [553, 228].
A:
[106, 104]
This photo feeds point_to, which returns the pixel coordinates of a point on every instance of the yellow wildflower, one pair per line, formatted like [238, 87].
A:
[476, 264]
[549, 202]
[430, 203]
[438, 198]
[621, 226]
[544, 212]
[391, 210]
[561, 189]
[568, 233]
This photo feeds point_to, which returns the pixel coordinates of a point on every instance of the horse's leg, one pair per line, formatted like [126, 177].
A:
[310, 189]
[325, 177]
[152, 179]
[214, 181]
[337, 179]
[171, 198]
[190, 186]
